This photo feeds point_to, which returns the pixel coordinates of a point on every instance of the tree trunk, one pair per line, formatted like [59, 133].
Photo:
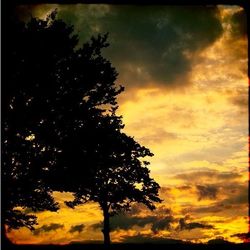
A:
[106, 227]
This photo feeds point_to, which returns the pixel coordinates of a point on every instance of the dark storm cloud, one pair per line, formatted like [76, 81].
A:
[148, 42]
[183, 225]
[162, 224]
[47, 228]
[239, 24]
[77, 228]
[243, 236]
[126, 222]
[138, 208]
[238, 195]
[207, 192]
[237, 198]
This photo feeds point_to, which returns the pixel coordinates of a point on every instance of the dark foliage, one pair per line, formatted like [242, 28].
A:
[24, 158]
[121, 177]
[60, 128]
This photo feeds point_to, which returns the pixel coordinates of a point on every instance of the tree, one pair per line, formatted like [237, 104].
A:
[121, 177]
[24, 158]
[22, 185]
[51, 90]
[60, 124]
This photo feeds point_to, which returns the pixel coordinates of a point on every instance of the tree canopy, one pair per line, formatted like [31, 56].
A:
[52, 90]
[121, 178]
[61, 130]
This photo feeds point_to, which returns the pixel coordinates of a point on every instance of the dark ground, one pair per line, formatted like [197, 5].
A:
[130, 247]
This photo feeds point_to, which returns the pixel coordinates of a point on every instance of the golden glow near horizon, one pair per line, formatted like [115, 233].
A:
[199, 136]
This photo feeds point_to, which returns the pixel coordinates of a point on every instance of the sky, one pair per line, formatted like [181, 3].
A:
[186, 98]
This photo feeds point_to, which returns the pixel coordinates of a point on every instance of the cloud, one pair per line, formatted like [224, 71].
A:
[207, 192]
[47, 228]
[140, 210]
[239, 24]
[163, 210]
[97, 226]
[157, 37]
[25, 12]
[234, 197]
[184, 187]
[216, 208]
[162, 224]
[237, 195]
[157, 135]
[209, 174]
[77, 228]
[126, 222]
[243, 236]
[239, 97]
[241, 101]
[165, 190]
[183, 225]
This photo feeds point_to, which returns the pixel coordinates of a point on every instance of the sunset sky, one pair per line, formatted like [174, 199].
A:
[186, 98]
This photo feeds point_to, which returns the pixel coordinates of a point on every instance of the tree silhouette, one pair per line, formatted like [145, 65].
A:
[121, 177]
[48, 96]
[60, 128]
[27, 87]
